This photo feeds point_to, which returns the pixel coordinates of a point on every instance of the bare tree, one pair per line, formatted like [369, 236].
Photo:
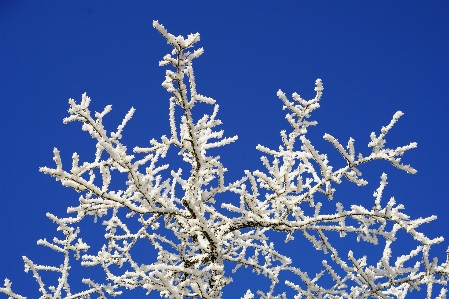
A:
[196, 236]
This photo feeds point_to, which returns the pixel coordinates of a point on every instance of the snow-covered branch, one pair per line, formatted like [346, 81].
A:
[193, 236]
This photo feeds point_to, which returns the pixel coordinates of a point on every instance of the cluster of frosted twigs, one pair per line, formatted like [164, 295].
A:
[194, 236]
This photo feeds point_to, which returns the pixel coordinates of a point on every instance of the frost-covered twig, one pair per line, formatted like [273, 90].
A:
[70, 244]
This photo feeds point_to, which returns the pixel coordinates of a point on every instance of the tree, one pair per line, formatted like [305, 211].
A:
[195, 236]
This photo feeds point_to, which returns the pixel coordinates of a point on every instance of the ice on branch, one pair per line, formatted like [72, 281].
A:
[194, 236]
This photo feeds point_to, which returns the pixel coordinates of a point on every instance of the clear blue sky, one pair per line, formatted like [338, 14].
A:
[374, 57]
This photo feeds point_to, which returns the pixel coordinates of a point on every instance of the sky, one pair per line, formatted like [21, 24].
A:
[374, 58]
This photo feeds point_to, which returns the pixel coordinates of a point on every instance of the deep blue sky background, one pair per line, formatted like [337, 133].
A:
[374, 57]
